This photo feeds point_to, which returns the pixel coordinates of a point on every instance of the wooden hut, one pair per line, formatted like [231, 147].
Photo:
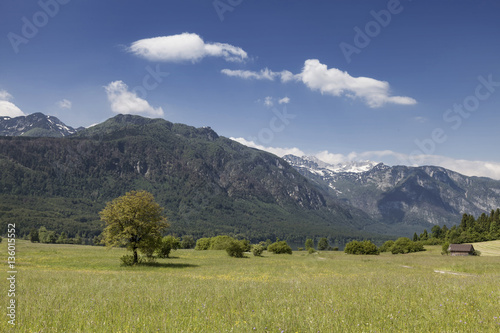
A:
[461, 249]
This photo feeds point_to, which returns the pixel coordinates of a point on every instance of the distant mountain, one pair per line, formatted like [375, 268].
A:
[208, 184]
[406, 199]
[317, 166]
[34, 125]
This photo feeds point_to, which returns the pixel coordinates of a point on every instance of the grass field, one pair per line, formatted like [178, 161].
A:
[488, 249]
[69, 288]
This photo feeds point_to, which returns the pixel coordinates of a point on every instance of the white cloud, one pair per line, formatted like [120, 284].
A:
[7, 108]
[268, 101]
[263, 74]
[273, 150]
[184, 47]
[65, 104]
[127, 102]
[375, 93]
[284, 100]
[5, 96]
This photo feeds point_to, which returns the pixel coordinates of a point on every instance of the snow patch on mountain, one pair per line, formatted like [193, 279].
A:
[321, 168]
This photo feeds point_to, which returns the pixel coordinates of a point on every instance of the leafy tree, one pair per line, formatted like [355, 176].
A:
[187, 242]
[309, 244]
[167, 244]
[134, 220]
[436, 232]
[51, 237]
[444, 231]
[280, 247]
[34, 235]
[42, 234]
[63, 238]
[323, 244]
[424, 235]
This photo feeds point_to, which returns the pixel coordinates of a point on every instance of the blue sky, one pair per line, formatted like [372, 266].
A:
[400, 82]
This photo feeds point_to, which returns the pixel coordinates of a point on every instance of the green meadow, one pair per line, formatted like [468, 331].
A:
[70, 288]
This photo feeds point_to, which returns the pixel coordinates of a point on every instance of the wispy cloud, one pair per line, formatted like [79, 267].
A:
[65, 104]
[375, 93]
[268, 101]
[7, 108]
[333, 81]
[273, 150]
[184, 47]
[284, 100]
[127, 102]
[263, 74]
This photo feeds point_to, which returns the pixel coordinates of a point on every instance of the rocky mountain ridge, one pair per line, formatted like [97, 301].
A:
[406, 197]
[34, 125]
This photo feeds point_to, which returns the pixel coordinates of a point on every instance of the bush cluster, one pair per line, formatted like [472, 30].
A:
[280, 247]
[234, 247]
[406, 245]
[364, 247]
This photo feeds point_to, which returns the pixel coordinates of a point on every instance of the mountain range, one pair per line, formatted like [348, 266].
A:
[59, 177]
[208, 184]
[404, 199]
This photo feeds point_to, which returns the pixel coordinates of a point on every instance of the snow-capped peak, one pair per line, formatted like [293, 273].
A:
[317, 166]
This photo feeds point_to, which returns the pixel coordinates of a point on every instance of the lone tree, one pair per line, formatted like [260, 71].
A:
[134, 220]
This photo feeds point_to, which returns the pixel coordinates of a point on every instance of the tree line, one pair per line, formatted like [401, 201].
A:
[470, 230]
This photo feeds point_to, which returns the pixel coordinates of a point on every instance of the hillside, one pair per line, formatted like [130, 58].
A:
[208, 184]
[408, 199]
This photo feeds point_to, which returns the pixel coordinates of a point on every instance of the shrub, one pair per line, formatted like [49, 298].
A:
[127, 260]
[167, 244]
[357, 247]
[323, 244]
[202, 244]
[235, 248]
[406, 245]
[387, 246]
[187, 242]
[257, 250]
[220, 242]
[246, 244]
[444, 249]
[301, 249]
[280, 248]
[311, 250]
[336, 248]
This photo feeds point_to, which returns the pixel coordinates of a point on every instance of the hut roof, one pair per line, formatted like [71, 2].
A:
[461, 248]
